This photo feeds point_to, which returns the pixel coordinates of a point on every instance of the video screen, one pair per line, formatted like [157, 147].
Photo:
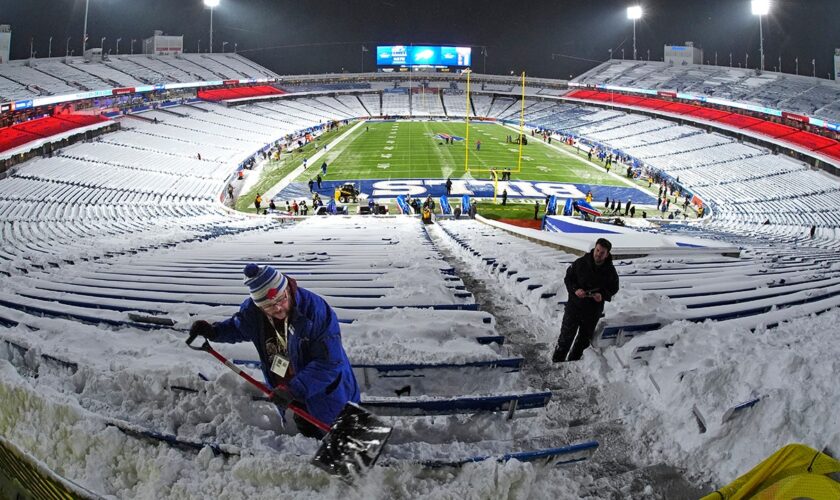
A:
[423, 55]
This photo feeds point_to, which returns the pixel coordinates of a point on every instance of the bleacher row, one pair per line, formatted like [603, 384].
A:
[37, 130]
[41, 77]
[379, 275]
[761, 288]
[783, 133]
[160, 159]
[794, 93]
[771, 195]
[238, 93]
[133, 188]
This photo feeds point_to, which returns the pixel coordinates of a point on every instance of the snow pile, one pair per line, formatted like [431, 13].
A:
[710, 369]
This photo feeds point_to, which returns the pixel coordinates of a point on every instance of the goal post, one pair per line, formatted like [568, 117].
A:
[496, 168]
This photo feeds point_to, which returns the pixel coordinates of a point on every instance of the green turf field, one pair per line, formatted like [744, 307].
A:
[410, 150]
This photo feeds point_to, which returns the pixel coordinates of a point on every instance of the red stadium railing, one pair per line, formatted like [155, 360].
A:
[22, 133]
[238, 93]
[776, 131]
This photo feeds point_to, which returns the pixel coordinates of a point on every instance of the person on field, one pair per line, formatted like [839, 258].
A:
[590, 281]
[298, 338]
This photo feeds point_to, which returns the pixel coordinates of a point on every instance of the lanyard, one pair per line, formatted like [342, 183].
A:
[281, 338]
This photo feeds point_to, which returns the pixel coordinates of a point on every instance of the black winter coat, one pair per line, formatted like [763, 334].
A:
[583, 273]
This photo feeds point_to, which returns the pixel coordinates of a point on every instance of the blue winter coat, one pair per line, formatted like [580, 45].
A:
[322, 376]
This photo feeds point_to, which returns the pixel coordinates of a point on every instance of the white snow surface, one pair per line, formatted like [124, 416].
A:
[642, 411]
[61, 418]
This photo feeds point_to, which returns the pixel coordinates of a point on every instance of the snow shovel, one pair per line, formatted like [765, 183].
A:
[351, 445]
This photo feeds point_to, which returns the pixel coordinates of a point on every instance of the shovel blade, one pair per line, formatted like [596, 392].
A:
[353, 444]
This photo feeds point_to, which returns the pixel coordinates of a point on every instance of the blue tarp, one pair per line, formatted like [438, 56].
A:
[444, 205]
[403, 205]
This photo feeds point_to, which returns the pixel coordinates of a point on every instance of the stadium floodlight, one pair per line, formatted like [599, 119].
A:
[761, 8]
[634, 12]
[212, 4]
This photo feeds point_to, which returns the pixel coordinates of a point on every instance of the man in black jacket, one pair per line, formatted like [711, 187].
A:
[590, 281]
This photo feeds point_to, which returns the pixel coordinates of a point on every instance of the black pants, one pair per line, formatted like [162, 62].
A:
[307, 429]
[575, 333]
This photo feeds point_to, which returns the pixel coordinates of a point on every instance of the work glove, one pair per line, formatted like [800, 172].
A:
[204, 329]
[281, 397]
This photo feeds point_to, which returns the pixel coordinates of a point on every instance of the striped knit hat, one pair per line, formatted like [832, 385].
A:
[265, 283]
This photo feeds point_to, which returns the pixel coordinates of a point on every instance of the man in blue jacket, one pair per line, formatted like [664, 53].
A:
[299, 342]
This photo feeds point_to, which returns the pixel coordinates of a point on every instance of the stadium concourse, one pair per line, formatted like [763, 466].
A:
[719, 348]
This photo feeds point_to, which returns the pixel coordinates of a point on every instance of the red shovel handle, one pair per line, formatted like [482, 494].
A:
[296, 408]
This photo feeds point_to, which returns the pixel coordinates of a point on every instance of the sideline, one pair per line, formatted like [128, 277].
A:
[285, 181]
[587, 162]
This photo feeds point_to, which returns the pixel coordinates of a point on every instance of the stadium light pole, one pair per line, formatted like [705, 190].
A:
[761, 8]
[634, 12]
[212, 4]
[67, 48]
[223, 47]
[84, 34]
[49, 48]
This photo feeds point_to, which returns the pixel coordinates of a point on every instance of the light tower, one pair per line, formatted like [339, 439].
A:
[85, 34]
[212, 4]
[761, 8]
[634, 12]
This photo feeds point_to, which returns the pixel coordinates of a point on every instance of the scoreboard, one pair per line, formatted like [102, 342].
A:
[434, 56]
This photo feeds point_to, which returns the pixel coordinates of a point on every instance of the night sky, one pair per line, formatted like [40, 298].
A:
[555, 39]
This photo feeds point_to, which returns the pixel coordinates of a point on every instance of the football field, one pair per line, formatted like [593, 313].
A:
[418, 150]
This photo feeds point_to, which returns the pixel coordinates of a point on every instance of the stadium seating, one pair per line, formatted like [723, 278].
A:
[395, 104]
[749, 290]
[426, 104]
[60, 75]
[372, 104]
[456, 104]
[782, 133]
[238, 93]
[22, 133]
[795, 93]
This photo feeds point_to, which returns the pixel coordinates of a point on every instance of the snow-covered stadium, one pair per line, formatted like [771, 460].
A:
[119, 229]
